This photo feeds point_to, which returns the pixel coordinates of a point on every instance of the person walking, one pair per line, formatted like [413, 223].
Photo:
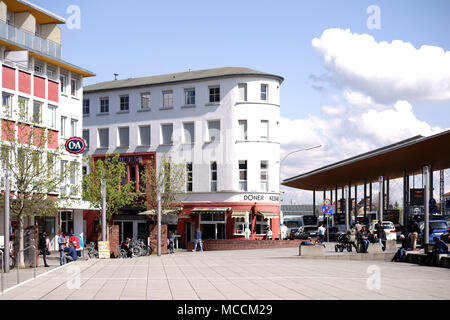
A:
[171, 241]
[269, 234]
[198, 240]
[322, 234]
[351, 233]
[61, 247]
[80, 247]
[44, 246]
[413, 229]
[381, 234]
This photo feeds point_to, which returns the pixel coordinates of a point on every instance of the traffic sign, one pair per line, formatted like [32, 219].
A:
[326, 202]
[327, 209]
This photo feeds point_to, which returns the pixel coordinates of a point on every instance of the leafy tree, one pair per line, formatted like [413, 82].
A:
[119, 193]
[169, 179]
[25, 156]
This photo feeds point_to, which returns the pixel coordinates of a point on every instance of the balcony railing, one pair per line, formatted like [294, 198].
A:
[30, 41]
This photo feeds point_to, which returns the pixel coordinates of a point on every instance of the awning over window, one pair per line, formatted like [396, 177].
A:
[167, 211]
[268, 214]
[239, 214]
[210, 210]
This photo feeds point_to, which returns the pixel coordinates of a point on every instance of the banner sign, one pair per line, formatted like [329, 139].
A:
[103, 250]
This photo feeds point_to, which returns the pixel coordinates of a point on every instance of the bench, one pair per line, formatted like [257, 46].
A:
[310, 251]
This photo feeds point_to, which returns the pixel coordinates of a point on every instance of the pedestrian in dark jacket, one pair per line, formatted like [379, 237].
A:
[439, 248]
[43, 246]
[380, 233]
[70, 253]
[401, 252]
[363, 238]
[414, 231]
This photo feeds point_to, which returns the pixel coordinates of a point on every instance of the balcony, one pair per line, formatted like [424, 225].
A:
[30, 41]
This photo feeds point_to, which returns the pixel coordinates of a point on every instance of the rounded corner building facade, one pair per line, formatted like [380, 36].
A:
[222, 124]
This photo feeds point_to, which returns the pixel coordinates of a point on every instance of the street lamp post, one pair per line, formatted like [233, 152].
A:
[6, 225]
[279, 177]
[103, 192]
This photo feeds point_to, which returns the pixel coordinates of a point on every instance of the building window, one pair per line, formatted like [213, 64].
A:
[261, 225]
[239, 226]
[63, 126]
[242, 130]
[51, 116]
[189, 96]
[265, 130]
[51, 72]
[23, 107]
[145, 100]
[214, 94]
[124, 103]
[166, 132]
[213, 167]
[38, 68]
[144, 136]
[63, 174]
[37, 111]
[243, 175]
[86, 137]
[264, 176]
[214, 131]
[74, 87]
[242, 91]
[63, 82]
[51, 165]
[66, 222]
[167, 99]
[189, 177]
[73, 127]
[7, 104]
[86, 107]
[103, 138]
[264, 92]
[124, 137]
[189, 133]
[73, 177]
[104, 105]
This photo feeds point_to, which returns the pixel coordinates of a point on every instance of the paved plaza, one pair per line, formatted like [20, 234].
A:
[270, 274]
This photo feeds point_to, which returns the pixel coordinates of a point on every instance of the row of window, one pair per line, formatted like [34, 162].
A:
[167, 99]
[166, 133]
[38, 112]
[218, 221]
[264, 176]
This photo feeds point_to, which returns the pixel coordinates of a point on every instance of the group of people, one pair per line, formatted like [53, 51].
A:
[359, 236]
[70, 247]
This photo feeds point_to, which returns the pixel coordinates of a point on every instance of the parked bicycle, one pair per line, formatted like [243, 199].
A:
[92, 251]
[12, 261]
[138, 247]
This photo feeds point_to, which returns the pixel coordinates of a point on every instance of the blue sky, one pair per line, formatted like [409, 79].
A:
[139, 38]
[347, 116]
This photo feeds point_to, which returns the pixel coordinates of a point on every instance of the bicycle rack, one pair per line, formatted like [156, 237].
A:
[34, 261]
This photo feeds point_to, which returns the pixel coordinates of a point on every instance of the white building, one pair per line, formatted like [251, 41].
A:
[33, 74]
[222, 123]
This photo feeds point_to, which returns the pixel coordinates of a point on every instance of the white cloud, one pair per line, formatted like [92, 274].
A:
[386, 72]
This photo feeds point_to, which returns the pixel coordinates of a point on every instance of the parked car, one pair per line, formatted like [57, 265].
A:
[389, 229]
[438, 228]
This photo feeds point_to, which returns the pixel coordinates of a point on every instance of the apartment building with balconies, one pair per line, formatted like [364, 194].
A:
[34, 76]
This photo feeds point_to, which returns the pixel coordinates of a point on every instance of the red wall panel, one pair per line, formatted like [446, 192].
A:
[24, 82]
[52, 142]
[39, 87]
[7, 134]
[53, 91]
[9, 78]
[24, 133]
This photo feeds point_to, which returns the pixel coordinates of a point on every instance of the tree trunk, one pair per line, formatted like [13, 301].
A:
[21, 254]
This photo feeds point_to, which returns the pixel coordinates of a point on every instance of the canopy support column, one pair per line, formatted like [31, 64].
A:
[365, 199]
[381, 198]
[428, 189]
[405, 201]
[347, 206]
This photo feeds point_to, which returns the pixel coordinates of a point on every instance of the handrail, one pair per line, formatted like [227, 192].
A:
[34, 260]
[3, 265]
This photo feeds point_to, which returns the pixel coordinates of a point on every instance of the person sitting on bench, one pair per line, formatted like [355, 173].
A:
[432, 257]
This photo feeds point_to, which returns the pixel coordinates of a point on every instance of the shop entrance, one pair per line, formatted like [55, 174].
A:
[132, 229]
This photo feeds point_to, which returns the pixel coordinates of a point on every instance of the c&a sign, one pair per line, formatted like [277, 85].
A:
[75, 145]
